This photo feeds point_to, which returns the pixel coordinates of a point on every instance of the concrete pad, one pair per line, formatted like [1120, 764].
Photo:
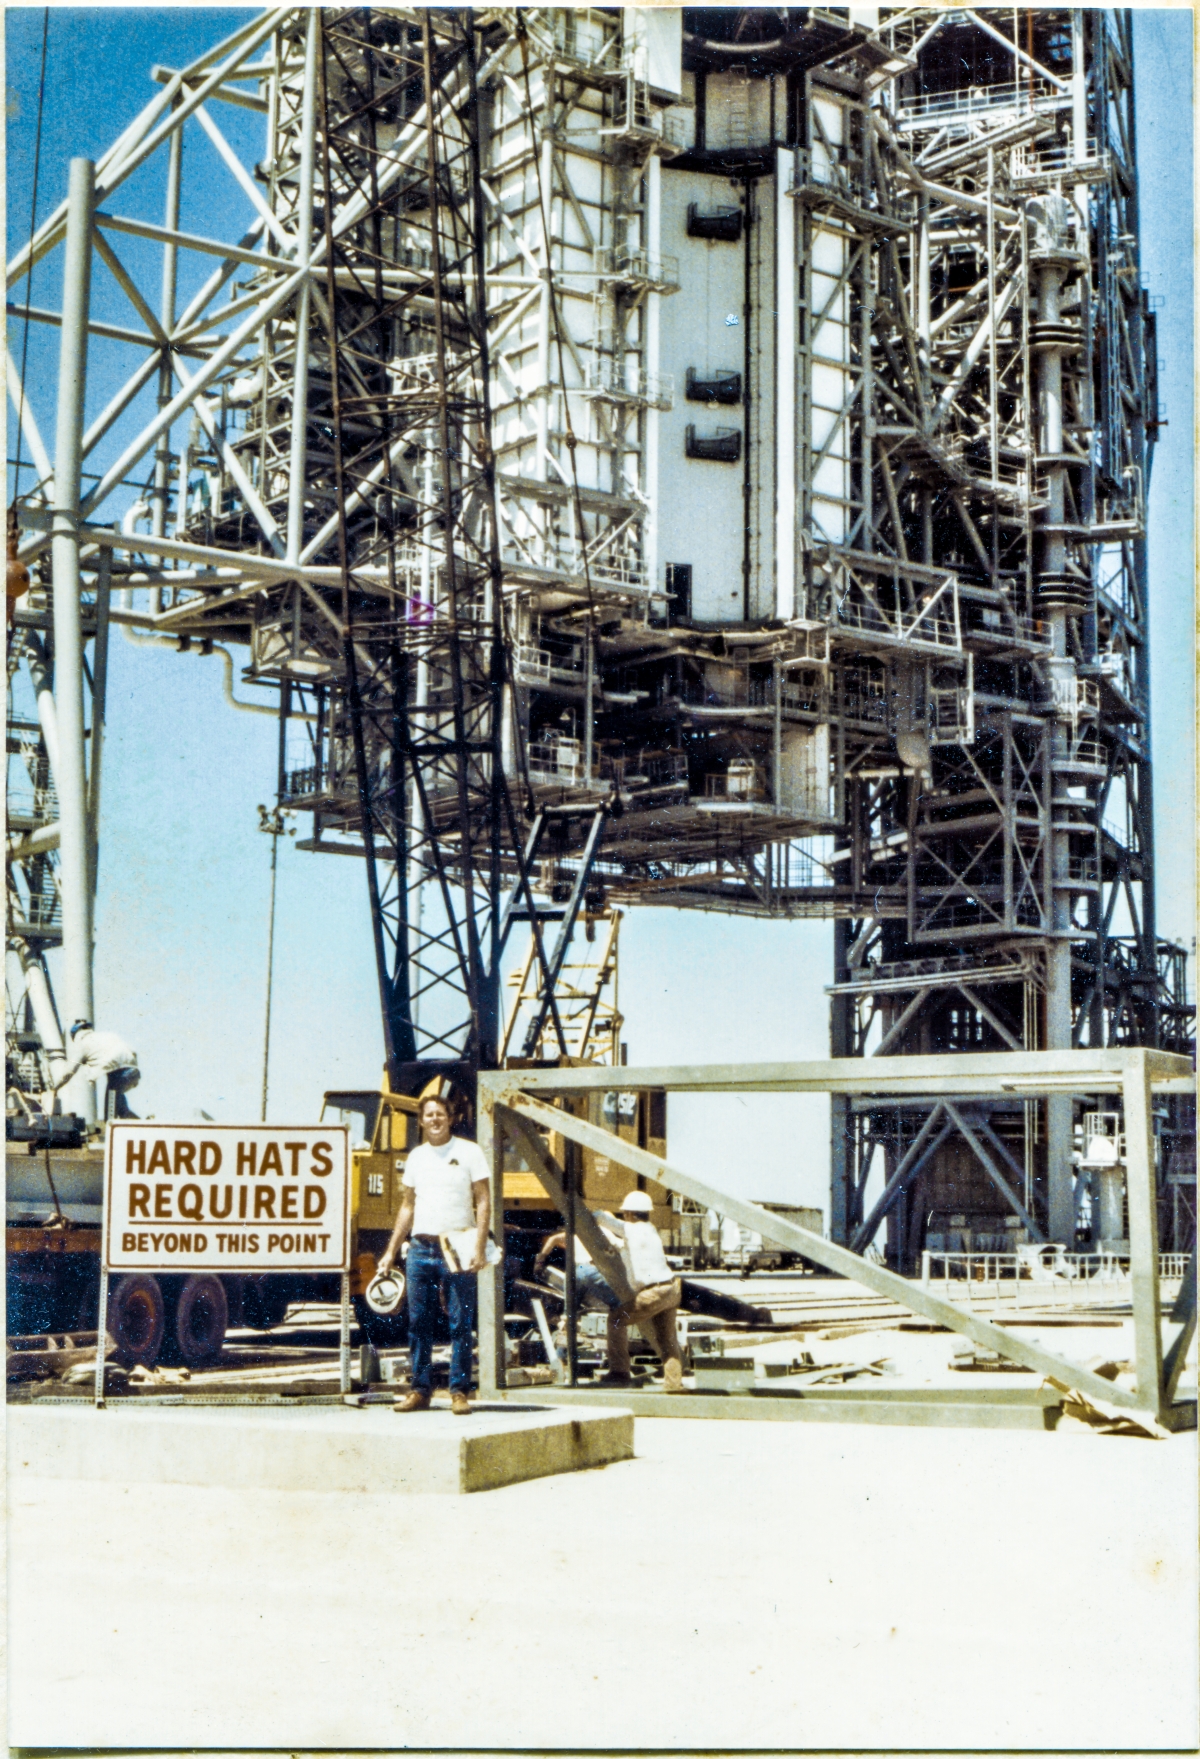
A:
[328, 1448]
[736, 1586]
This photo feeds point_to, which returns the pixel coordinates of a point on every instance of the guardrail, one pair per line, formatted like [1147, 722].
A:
[1039, 1276]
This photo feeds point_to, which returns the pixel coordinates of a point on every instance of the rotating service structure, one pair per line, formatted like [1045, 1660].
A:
[682, 457]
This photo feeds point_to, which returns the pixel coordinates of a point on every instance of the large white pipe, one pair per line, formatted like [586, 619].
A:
[37, 987]
[785, 384]
[653, 242]
[38, 842]
[71, 772]
[39, 672]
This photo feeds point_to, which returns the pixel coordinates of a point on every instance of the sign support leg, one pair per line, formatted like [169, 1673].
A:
[101, 1335]
[344, 1337]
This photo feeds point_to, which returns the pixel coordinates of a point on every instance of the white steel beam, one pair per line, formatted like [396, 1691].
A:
[71, 774]
[29, 427]
[137, 141]
[1028, 1073]
[838, 1259]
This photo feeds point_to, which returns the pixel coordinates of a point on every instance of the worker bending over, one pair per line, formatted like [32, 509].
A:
[655, 1297]
[446, 1193]
[99, 1054]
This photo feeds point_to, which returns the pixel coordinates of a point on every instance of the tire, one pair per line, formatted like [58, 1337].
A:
[265, 1301]
[201, 1319]
[137, 1318]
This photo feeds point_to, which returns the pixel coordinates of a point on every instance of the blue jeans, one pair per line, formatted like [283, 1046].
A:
[589, 1284]
[426, 1275]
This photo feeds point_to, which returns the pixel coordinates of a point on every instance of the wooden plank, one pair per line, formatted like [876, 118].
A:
[836, 1258]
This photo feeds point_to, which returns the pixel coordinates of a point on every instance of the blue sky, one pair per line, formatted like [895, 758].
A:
[181, 913]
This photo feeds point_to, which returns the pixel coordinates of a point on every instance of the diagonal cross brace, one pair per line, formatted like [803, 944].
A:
[838, 1259]
[605, 1256]
[1184, 1311]
[915, 1156]
[994, 1174]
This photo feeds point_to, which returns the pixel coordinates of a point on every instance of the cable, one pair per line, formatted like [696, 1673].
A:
[37, 164]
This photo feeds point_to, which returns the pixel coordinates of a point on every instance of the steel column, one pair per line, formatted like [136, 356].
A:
[71, 773]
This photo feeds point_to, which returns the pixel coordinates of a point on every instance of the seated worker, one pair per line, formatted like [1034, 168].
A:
[655, 1299]
[590, 1287]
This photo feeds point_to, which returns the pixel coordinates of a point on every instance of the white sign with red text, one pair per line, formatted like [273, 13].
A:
[222, 1197]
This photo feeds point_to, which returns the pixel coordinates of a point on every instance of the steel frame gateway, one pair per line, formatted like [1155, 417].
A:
[511, 1101]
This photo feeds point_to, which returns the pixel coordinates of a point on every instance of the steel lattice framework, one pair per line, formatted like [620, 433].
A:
[426, 441]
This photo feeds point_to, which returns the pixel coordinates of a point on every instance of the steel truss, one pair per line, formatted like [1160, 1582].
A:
[411, 450]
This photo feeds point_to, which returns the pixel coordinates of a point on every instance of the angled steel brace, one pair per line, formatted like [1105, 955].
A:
[993, 1172]
[543, 1165]
[566, 930]
[838, 1259]
[914, 1158]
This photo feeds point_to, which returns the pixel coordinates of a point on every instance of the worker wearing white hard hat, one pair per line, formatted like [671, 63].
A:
[97, 1054]
[655, 1299]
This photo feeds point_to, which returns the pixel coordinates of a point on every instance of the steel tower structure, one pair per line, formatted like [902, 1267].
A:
[689, 457]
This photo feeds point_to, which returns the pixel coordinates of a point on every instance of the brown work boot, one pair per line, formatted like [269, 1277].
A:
[460, 1404]
[413, 1401]
[673, 1375]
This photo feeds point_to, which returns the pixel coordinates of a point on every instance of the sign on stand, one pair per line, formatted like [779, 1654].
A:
[226, 1198]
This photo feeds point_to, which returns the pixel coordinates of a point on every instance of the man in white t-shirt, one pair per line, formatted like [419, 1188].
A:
[447, 1191]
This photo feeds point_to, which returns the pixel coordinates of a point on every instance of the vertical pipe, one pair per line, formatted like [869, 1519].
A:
[1148, 1014]
[162, 452]
[785, 385]
[43, 690]
[1059, 1107]
[542, 470]
[1078, 93]
[99, 699]
[274, 835]
[653, 246]
[993, 366]
[747, 410]
[924, 318]
[71, 777]
[841, 1221]
[777, 735]
[37, 988]
[589, 701]
[298, 457]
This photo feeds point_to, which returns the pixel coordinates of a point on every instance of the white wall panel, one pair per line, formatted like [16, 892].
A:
[701, 503]
[763, 401]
